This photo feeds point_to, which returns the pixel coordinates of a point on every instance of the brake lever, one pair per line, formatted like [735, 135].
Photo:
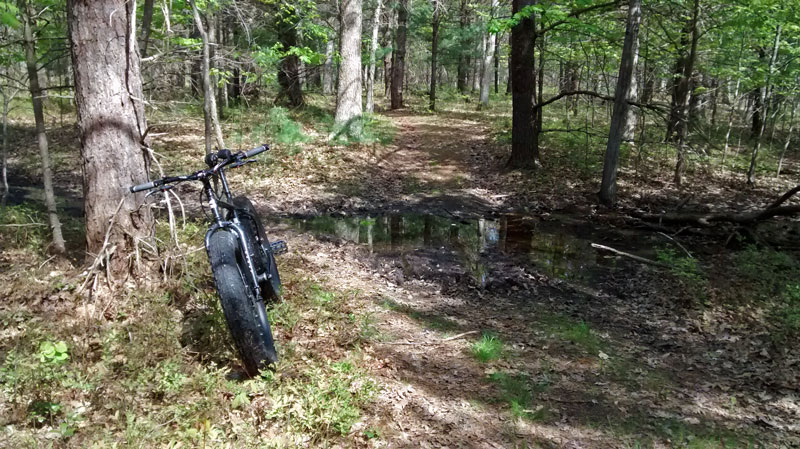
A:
[163, 188]
[242, 162]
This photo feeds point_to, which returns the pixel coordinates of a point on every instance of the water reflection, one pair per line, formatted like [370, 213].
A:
[553, 248]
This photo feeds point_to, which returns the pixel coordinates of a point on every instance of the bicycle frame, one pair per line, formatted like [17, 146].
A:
[234, 225]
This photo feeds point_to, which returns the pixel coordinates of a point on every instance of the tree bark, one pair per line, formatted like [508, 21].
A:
[768, 98]
[327, 70]
[213, 131]
[680, 100]
[147, 20]
[490, 41]
[108, 94]
[434, 52]
[38, 114]
[291, 92]
[376, 23]
[348, 92]
[463, 58]
[399, 60]
[524, 151]
[608, 187]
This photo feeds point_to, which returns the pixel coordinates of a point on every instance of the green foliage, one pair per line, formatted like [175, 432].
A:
[518, 391]
[325, 401]
[282, 129]
[487, 348]
[22, 226]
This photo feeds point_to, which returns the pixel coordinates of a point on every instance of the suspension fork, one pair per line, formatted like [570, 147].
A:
[235, 226]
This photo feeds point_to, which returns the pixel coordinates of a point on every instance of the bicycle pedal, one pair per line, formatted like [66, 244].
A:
[278, 247]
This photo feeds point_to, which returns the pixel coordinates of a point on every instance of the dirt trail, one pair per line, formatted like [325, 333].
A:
[614, 365]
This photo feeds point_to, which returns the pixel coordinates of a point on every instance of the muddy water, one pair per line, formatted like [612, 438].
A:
[557, 247]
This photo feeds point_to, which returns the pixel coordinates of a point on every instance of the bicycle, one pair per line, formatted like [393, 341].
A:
[242, 258]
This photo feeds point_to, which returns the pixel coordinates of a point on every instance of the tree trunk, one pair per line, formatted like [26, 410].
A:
[767, 99]
[463, 58]
[399, 61]
[147, 20]
[608, 187]
[348, 92]
[291, 91]
[38, 114]
[681, 92]
[785, 145]
[212, 128]
[490, 41]
[434, 52]
[497, 65]
[327, 70]
[524, 151]
[633, 92]
[108, 93]
[376, 22]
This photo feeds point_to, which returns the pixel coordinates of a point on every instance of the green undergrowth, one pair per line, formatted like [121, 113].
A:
[518, 391]
[156, 367]
[773, 279]
[487, 348]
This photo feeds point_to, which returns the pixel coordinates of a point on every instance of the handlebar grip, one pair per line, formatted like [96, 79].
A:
[257, 150]
[140, 187]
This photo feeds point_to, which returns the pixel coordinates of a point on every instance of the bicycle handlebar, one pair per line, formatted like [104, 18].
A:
[256, 150]
[211, 159]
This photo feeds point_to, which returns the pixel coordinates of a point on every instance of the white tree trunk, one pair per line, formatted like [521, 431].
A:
[489, 43]
[327, 69]
[376, 22]
[348, 94]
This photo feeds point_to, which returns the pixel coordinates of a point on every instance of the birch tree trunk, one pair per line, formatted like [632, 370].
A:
[608, 187]
[108, 94]
[38, 114]
[490, 42]
[212, 128]
[348, 92]
[327, 70]
[376, 23]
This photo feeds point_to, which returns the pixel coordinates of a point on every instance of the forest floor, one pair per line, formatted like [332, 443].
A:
[432, 299]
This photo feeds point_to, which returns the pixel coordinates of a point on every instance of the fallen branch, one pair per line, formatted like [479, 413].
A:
[631, 256]
[428, 343]
[776, 209]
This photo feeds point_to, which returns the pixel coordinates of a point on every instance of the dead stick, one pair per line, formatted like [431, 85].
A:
[631, 256]
[428, 343]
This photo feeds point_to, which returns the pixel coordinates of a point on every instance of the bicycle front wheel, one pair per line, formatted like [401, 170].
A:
[244, 311]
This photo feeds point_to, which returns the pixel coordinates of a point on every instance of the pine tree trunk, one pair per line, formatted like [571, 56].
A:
[348, 92]
[108, 93]
[213, 131]
[291, 90]
[680, 103]
[434, 53]
[376, 23]
[627, 67]
[399, 61]
[524, 151]
[38, 114]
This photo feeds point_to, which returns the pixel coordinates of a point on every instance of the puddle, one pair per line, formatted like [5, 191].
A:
[559, 248]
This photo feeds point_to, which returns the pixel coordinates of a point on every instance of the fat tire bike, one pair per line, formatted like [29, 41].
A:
[242, 258]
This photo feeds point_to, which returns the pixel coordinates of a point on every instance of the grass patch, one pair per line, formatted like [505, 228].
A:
[578, 333]
[518, 391]
[487, 348]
